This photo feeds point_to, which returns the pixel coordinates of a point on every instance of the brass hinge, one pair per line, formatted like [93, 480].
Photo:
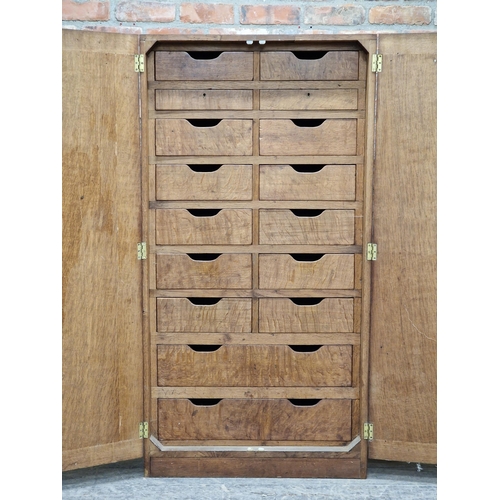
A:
[368, 431]
[371, 251]
[139, 63]
[143, 430]
[141, 251]
[376, 63]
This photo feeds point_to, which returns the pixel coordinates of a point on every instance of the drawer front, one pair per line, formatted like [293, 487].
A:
[203, 65]
[308, 137]
[312, 99]
[287, 227]
[176, 137]
[204, 182]
[202, 271]
[308, 182]
[254, 420]
[203, 99]
[286, 316]
[184, 227]
[227, 315]
[254, 366]
[310, 65]
[328, 272]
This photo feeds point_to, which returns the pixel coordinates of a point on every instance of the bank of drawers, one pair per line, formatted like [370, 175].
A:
[244, 226]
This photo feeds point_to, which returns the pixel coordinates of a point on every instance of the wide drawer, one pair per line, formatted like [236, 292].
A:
[306, 227]
[203, 227]
[306, 271]
[309, 99]
[310, 65]
[254, 366]
[204, 182]
[308, 182]
[177, 137]
[254, 419]
[200, 271]
[202, 315]
[203, 99]
[203, 65]
[306, 316]
[308, 137]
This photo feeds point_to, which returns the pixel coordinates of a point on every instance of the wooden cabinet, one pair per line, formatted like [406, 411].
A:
[256, 174]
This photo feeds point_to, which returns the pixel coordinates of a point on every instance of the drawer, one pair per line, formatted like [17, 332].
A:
[254, 366]
[204, 182]
[306, 271]
[254, 419]
[310, 65]
[308, 137]
[204, 315]
[226, 271]
[308, 182]
[312, 99]
[306, 315]
[176, 137]
[203, 65]
[306, 227]
[203, 99]
[203, 227]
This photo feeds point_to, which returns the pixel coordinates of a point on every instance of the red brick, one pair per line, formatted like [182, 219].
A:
[145, 12]
[400, 15]
[346, 15]
[92, 10]
[269, 14]
[207, 13]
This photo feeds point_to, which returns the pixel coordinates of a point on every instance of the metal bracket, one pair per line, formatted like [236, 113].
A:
[376, 63]
[368, 431]
[143, 430]
[371, 251]
[141, 251]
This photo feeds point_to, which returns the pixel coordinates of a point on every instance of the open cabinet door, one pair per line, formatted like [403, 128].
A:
[402, 400]
[102, 292]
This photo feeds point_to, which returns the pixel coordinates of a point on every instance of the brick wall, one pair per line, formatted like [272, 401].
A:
[250, 16]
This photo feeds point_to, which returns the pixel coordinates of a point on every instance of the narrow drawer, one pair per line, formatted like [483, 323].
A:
[308, 182]
[308, 137]
[306, 316]
[200, 271]
[182, 315]
[204, 182]
[254, 419]
[310, 65]
[176, 137]
[203, 65]
[254, 366]
[312, 99]
[203, 227]
[306, 271]
[306, 227]
[203, 99]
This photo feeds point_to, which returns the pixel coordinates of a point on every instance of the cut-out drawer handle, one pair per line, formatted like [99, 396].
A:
[205, 402]
[307, 169]
[307, 257]
[305, 348]
[204, 212]
[204, 55]
[204, 257]
[204, 301]
[309, 55]
[306, 301]
[304, 212]
[204, 168]
[304, 402]
[204, 348]
[307, 122]
[203, 123]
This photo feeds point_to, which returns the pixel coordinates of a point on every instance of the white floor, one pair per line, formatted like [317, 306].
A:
[124, 481]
